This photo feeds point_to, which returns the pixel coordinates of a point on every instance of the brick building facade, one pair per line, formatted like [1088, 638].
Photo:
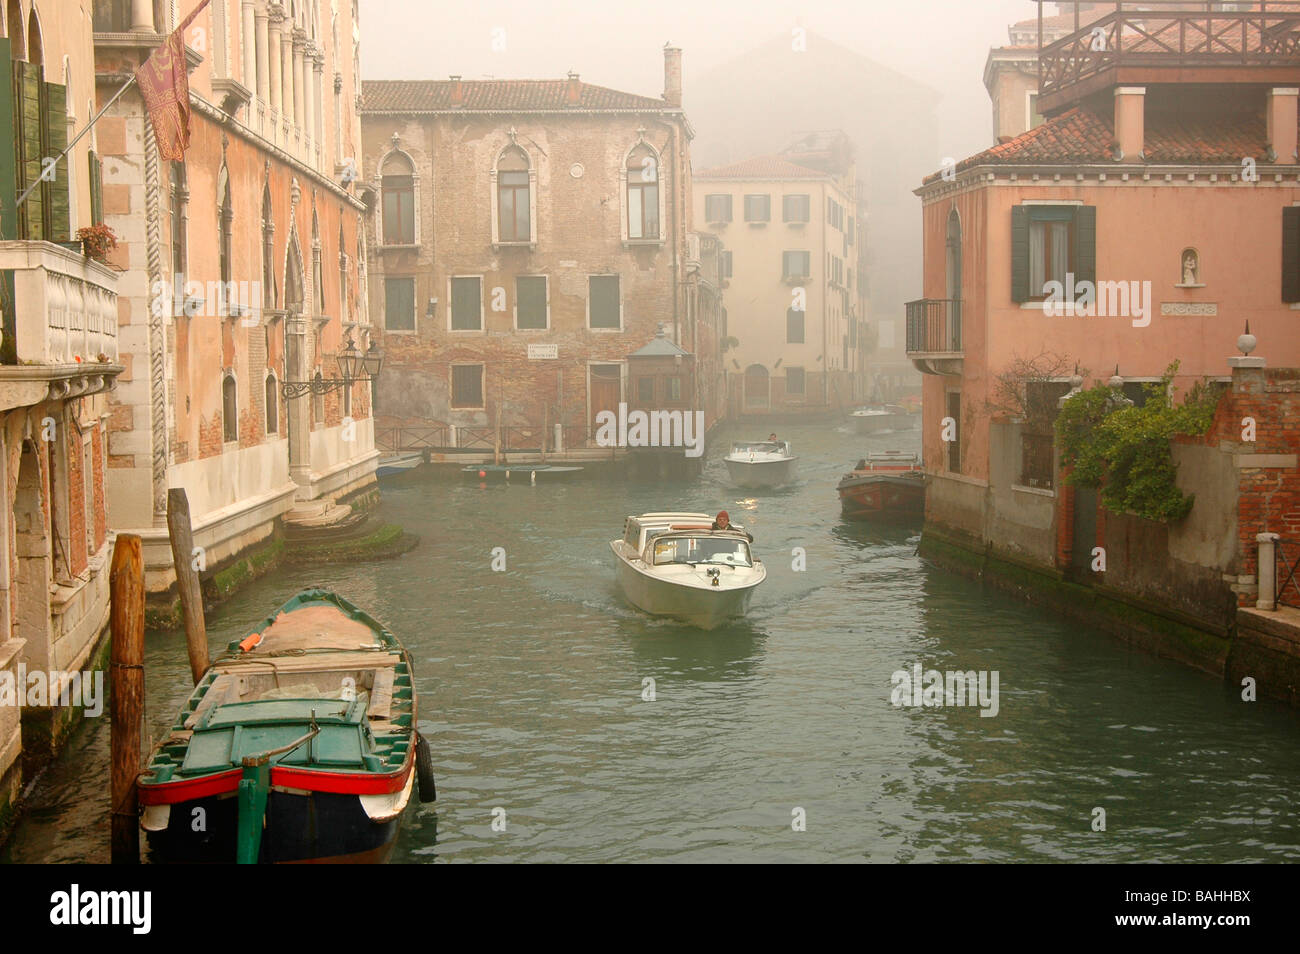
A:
[529, 236]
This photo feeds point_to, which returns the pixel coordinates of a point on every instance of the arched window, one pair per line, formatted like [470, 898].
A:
[272, 404]
[642, 194]
[14, 24]
[225, 218]
[180, 195]
[35, 54]
[398, 211]
[268, 250]
[294, 296]
[229, 408]
[317, 277]
[513, 200]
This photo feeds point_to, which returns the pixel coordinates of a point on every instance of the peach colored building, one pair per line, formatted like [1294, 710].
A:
[1166, 175]
[795, 297]
[244, 273]
[58, 359]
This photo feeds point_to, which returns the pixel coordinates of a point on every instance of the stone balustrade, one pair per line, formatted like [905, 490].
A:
[65, 305]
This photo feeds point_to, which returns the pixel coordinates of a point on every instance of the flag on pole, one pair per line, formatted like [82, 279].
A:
[165, 86]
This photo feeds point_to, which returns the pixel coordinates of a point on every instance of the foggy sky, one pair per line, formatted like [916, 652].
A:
[618, 43]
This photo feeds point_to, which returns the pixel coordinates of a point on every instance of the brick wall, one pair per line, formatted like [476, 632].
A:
[1269, 492]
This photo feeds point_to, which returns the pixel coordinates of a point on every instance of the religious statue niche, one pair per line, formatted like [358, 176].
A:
[1191, 267]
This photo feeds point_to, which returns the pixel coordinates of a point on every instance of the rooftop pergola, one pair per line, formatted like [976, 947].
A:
[1169, 41]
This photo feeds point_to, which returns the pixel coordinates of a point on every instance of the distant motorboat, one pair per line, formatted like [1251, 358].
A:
[885, 485]
[761, 463]
[674, 564]
[883, 417]
[399, 463]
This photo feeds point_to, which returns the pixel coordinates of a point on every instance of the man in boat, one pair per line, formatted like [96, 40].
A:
[772, 437]
[723, 522]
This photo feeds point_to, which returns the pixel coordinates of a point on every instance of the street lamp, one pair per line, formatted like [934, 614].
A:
[353, 366]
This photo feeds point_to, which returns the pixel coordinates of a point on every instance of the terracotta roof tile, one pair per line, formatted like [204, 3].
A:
[761, 167]
[429, 95]
[1082, 135]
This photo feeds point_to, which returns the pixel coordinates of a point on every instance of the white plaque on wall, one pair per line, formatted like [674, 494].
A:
[543, 352]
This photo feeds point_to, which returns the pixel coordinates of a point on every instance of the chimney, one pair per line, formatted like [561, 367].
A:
[1280, 113]
[457, 91]
[573, 94]
[672, 75]
[1130, 122]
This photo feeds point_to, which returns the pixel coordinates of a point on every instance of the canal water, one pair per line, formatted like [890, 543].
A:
[531, 687]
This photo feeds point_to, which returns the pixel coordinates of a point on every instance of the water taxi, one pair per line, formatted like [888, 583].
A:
[675, 565]
[761, 464]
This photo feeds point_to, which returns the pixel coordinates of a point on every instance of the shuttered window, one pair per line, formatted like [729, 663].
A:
[399, 304]
[603, 301]
[466, 304]
[28, 134]
[1291, 253]
[1049, 242]
[530, 302]
[58, 212]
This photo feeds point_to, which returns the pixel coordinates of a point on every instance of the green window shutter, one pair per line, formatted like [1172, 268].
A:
[1085, 238]
[56, 126]
[28, 134]
[1019, 253]
[530, 298]
[8, 151]
[1291, 253]
[96, 190]
[466, 304]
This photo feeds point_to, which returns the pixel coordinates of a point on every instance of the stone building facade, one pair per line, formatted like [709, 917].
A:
[58, 360]
[244, 271]
[529, 235]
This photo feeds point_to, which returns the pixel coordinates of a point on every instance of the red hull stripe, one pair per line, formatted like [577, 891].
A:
[310, 780]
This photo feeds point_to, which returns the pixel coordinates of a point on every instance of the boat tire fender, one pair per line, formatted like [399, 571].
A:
[424, 769]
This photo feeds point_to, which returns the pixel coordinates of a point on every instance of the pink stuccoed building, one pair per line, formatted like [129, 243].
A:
[1152, 213]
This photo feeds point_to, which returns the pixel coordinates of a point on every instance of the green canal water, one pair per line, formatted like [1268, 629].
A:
[531, 684]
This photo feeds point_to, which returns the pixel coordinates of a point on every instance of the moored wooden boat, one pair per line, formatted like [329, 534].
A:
[884, 486]
[299, 744]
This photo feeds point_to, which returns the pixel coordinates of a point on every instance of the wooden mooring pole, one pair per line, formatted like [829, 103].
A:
[126, 677]
[181, 534]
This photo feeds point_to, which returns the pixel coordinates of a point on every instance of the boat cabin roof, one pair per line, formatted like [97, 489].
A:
[637, 531]
[760, 447]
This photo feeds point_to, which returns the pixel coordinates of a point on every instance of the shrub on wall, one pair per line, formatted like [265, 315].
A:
[1125, 450]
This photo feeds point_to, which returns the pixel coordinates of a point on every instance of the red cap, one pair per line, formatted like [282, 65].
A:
[721, 515]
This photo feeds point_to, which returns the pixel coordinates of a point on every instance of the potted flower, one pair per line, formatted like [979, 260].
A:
[97, 241]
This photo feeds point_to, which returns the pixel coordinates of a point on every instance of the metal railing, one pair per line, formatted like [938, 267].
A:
[934, 326]
[1287, 565]
[438, 437]
[1158, 37]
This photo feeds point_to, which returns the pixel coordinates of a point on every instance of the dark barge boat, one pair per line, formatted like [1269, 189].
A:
[299, 744]
[890, 485]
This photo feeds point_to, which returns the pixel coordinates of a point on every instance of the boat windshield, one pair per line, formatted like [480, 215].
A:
[719, 550]
[758, 447]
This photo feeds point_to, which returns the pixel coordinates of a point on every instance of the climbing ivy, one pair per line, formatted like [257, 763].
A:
[1125, 450]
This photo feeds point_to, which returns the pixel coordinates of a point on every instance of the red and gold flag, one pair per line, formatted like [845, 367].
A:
[164, 83]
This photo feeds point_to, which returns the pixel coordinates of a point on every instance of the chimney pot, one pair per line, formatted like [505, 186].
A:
[457, 91]
[574, 91]
[1130, 122]
[672, 75]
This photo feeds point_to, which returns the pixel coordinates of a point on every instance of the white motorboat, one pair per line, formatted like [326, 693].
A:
[676, 565]
[761, 463]
[882, 417]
